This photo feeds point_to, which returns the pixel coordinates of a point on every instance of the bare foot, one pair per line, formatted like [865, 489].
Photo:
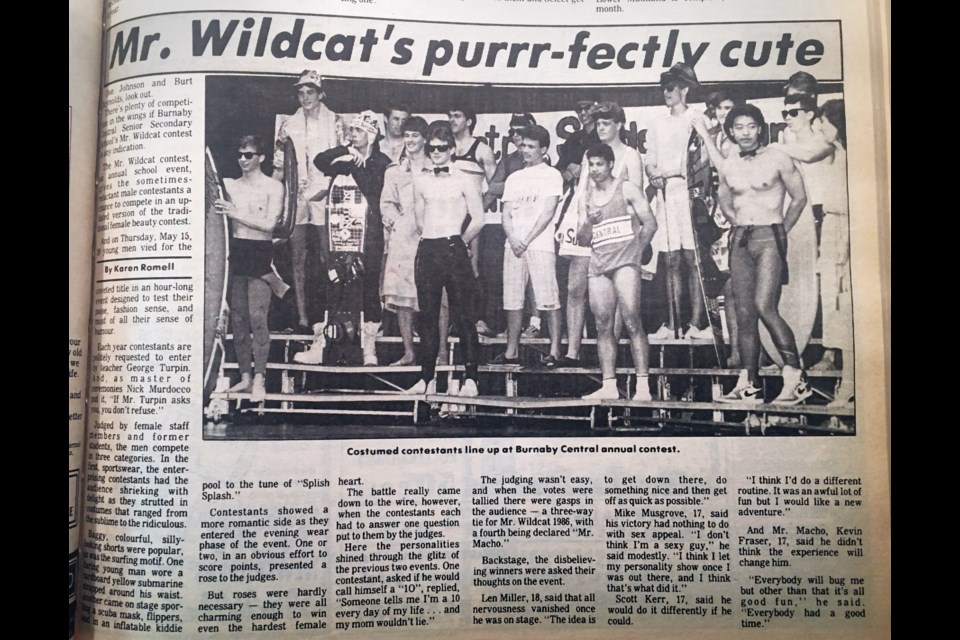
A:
[245, 384]
[259, 391]
[407, 360]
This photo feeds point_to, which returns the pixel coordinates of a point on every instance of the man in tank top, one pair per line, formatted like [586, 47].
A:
[622, 227]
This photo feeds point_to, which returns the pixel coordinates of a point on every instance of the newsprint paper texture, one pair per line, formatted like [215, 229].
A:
[309, 497]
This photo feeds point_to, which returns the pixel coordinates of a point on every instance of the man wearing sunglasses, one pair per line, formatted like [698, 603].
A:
[443, 198]
[313, 128]
[571, 151]
[254, 206]
[666, 141]
[754, 182]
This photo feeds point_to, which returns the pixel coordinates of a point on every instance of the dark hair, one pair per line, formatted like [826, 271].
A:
[538, 133]
[600, 150]
[416, 123]
[751, 112]
[440, 130]
[470, 114]
[253, 141]
[608, 111]
[806, 102]
[803, 82]
[716, 97]
[832, 110]
[522, 120]
[396, 106]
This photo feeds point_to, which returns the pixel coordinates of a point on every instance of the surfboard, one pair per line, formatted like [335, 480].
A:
[799, 297]
[700, 186]
[291, 185]
[217, 251]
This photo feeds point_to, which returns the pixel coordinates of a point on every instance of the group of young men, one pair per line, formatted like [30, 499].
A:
[448, 235]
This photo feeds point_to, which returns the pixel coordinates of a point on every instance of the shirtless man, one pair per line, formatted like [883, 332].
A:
[472, 156]
[392, 144]
[623, 226]
[753, 184]
[313, 128]
[443, 198]
[255, 206]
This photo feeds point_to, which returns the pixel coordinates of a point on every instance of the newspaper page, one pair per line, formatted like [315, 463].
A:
[84, 87]
[247, 476]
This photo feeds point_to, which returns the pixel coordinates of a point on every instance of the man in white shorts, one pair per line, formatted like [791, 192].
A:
[529, 202]
[667, 139]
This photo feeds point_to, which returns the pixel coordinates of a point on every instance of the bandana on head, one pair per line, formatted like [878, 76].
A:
[367, 121]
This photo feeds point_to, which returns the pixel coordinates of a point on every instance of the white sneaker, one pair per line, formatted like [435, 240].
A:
[663, 333]
[748, 394]
[530, 333]
[795, 387]
[369, 343]
[743, 391]
[698, 334]
[314, 353]
[469, 389]
[484, 330]
[422, 388]
[606, 392]
[259, 391]
[844, 395]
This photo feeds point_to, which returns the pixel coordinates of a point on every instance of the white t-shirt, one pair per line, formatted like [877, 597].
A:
[526, 190]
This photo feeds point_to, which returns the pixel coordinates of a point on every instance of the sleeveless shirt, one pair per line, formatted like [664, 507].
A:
[615, 238]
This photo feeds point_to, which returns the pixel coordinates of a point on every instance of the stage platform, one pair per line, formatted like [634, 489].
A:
[686, 392]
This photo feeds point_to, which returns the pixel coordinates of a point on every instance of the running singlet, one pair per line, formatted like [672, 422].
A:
[615, 238]
[470, 155]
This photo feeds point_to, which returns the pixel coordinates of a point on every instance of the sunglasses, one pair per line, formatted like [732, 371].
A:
[247, 155]
[670, 86]
[514, 131]
[793, 113]
[431, 148]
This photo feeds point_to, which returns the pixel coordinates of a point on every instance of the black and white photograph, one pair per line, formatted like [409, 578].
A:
[402, 259]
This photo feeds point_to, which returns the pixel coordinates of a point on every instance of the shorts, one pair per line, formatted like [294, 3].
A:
[674, 223]
[251, 258]
[540, 268]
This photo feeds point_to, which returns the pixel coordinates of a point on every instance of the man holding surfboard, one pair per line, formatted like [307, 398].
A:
[754, 181]
[312, 129]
